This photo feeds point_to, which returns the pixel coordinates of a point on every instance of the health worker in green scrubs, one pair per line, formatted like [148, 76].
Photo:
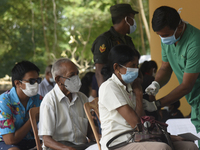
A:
[180, 42]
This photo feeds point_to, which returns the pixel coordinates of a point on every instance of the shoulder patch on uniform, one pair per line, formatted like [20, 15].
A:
[102, 48]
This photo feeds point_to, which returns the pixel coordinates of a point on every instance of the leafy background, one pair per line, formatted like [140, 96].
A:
[43, 30]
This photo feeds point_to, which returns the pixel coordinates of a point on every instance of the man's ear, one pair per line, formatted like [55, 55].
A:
[17, 83]
[115, 66]
[180, 27]
[57, 79]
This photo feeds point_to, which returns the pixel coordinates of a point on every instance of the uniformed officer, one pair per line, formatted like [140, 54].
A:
[123, 23]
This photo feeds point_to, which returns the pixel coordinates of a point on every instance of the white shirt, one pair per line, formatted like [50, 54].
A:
[112, 95]
[62, 119]
[44, 87]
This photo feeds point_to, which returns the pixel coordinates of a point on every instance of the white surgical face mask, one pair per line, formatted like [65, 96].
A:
[133, 27]
[31, 90]
[73, 84]
[51, 80]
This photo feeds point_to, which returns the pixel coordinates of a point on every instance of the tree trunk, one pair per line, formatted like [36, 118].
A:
[33, 33]
[44, 33]
[144, 19]
[55, 28]
[142, 36]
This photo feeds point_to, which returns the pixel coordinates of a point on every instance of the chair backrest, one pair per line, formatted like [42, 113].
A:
[33, 114]
[93, 105]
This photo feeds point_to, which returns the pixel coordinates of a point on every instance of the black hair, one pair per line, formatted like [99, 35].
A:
[21, 68]
[120, 54]
[165, 16]
[147, 66]
[86, 83]
[119, 18]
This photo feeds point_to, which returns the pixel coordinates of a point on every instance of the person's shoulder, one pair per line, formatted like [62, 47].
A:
[43, 84]
[7, 96]
[103, 37]
[50, 96]
[193, 31]
[108, 84]
[128, 37]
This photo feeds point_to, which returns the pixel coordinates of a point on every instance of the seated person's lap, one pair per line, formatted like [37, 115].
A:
[23, 145]
[77, 147]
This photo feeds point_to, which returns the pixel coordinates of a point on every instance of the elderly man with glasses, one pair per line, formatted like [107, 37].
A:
[63, 122]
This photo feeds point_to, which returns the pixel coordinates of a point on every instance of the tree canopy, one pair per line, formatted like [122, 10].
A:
[43, 30]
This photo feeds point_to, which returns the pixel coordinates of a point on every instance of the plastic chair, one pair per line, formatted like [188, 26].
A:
[33, 114]
[93, 105]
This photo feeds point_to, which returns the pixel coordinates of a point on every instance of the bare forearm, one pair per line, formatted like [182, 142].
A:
[163, 76]
[51, 143]
[22, 132]
[98, 75]
[99, 78]
[16, 137]
[129, 115]
[139, 105]
[174, 95]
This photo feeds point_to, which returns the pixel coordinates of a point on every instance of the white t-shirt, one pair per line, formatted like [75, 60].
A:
[62, 119]
[112, 95]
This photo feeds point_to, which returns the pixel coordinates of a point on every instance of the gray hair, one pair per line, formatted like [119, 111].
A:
[57, 67]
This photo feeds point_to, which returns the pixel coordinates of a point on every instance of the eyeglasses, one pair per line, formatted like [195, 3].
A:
[65, 78]
[33, 80]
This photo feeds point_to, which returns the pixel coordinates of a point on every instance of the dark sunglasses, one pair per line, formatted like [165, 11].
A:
[33, 80]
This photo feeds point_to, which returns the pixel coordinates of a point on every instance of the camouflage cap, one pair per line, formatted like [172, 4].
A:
[120, 9]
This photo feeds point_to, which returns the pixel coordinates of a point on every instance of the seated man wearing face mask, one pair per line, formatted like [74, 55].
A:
[47, 83]
[123, 24]
[15, 126]
[63, 122]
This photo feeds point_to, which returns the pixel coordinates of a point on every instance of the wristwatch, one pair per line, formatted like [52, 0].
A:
[158, 104]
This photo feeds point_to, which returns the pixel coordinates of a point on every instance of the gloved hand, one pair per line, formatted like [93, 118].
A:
[149, 106]
[153, 88]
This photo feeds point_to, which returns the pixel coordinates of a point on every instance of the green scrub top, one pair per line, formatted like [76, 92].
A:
[185, 58]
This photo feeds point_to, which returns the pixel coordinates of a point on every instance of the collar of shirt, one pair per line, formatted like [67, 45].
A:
[60, 95]
[117, 81]
[15, 99]
[112, 30]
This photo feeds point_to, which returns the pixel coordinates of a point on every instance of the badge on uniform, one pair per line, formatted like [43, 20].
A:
[102, 48]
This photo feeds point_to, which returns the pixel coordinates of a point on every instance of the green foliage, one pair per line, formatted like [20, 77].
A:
[24, 23]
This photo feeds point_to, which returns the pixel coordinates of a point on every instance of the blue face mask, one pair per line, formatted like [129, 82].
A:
[132, 27]
[171, 39]
[131, 74]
